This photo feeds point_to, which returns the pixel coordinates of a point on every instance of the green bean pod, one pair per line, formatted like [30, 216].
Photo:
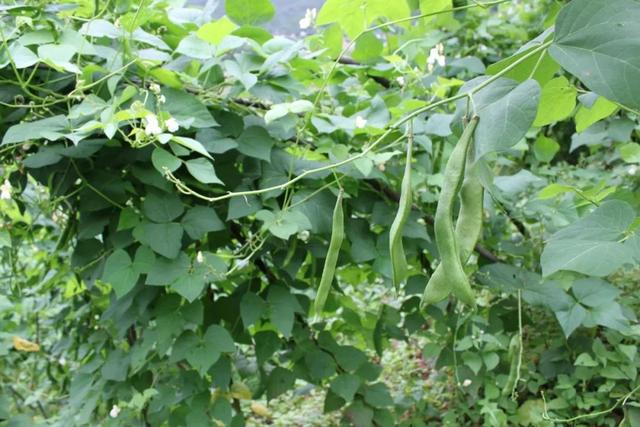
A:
[329, 269]
[399, 267]
[451, 277]
[513, 354]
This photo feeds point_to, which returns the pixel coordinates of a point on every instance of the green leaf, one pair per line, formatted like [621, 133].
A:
[283, 306]
[191, 144]
[586, 116]
[162, 207]
[593, 41]
[368, 47]
[200, 220]
[161, 159]
[346, 386]
[214, 32]
[252, 307]
[120, 272]
[280, 380]
[188, 110]
[591, 245]
[630, 152]
[220, 338]
[377, 395]
[202, 170]
[545, 148]
[249, 12]
[359, 414]
[506, 112]
[256, 142]
[190, 285]
[541, 64]
[165, 239]
[22, 56]
[557, 101]
[166, 271]
[50, 128]
[267, 343]
[355, 16]
[320, 364]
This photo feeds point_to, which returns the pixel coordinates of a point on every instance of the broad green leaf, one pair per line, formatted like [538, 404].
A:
[202, 170]
[165, 239]
[630, 152]
[586, 116]
[571, 317]
[249, 12]
[506, 112]
[368, 47]
[162, 159]
[346, 386]
[545, 148]
[214, 32]
[21, 56]
[282, 305]
[540, 67]
[280, 380]
[554, 190]
[557, 101]
[252, 307]
[166, 271]
[189, 286]
[119, 271]
[593, 41]
[591, 245]
[320, 364]
[51, 128]
[220, 338]
[377, 395]
[256, 142]
[359, 414]
[267, 343]
[354, 16]
[162, 207]
[200, 220]
[191, 144]
[188, 110]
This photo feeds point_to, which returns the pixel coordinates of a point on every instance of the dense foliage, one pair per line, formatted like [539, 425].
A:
[168, 199]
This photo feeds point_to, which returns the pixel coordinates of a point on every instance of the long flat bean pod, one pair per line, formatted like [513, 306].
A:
[453, 278]
[329, 269]
[468, 227]
[514, 350]
[399, 268]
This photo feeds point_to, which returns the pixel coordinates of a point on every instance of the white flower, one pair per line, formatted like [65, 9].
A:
[400, 80]
[114, 412]
[303, 235]
[466, 383]
[242, 263]
[436, 56]
[309, 17]
[199, 257]
[155, 88]
[361, 122]
[5, 190]
[152, 126]
[162, 99]
[172, 124]
[633, 169]
[62, 361]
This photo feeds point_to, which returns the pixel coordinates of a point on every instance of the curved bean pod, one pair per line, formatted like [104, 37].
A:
[451, 277]
[399, 267]
[329, 269]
